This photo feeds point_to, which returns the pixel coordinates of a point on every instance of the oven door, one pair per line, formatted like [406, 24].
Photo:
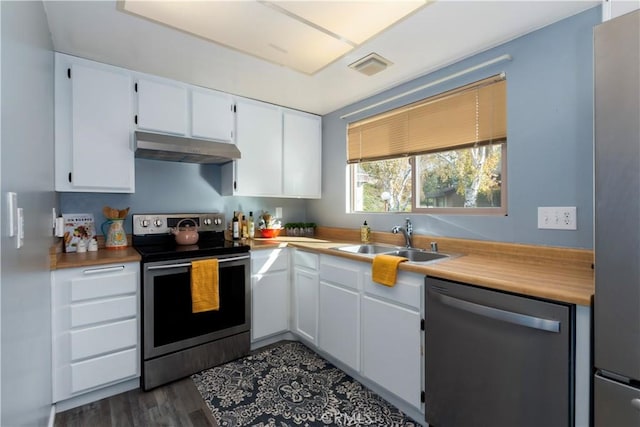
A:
[168, 322]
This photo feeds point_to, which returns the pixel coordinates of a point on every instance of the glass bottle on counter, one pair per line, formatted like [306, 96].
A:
[251, 226]
[235, 227]
[245, 228]
[365, 233]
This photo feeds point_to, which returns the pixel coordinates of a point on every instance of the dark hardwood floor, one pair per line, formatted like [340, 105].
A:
[175, 404]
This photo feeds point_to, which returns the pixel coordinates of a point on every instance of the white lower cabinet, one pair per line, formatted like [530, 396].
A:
[305, 294]
[339, 309]
[95, 325]
[269, 292]
[392, 337]
[372, 329]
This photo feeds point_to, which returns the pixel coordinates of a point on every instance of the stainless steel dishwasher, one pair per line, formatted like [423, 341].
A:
[496, 359]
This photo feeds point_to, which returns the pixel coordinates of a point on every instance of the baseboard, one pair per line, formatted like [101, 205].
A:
[96, 395]
[263, 342]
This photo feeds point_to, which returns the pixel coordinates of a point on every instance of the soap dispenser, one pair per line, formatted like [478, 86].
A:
[365, 233]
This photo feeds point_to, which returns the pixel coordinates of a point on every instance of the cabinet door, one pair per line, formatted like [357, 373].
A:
[162, 107]
[339, 323]
[391, 348]
[270, 304]
[212, 115]
[94, 150]
[259, 139]
[302, 151]
[305, 317]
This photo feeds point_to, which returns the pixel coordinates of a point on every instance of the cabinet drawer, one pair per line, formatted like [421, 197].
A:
[337, 271]
[407, 290]
[102, 339]
[103, 370]
[306, 259]
[104, 310]
[269, 260]
[102, 284]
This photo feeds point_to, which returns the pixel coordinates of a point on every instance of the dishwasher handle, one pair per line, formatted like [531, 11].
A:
[500, 315]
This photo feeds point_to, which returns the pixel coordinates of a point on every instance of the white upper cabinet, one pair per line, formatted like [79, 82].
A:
[212, 115]
[281, 152]
[302, 149]
[162, 107]
[93, 122]
[180, 109]
[98, 107]
[259, 139]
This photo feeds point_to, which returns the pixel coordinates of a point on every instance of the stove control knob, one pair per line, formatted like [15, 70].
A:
[157, 222]
[207, 221]
[145, 223]
[217, 221]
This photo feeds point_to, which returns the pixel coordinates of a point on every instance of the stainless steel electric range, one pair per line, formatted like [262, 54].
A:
[176, 342]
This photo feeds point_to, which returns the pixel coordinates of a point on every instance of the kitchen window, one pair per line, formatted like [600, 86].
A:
[443, 154]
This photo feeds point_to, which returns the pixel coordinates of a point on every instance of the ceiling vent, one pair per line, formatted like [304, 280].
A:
[371, 64]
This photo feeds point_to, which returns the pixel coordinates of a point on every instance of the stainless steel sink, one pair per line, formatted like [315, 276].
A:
[367, 249]
[416, 255]
[413, 254]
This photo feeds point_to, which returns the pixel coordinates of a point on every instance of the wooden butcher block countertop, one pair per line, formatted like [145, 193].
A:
[59, 259]
[559, 274]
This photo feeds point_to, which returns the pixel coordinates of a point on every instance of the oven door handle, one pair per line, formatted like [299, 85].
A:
[168, 266]
[188, 264]
[236, 258]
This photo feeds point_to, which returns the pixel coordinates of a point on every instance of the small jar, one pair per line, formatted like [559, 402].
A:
[82, 246]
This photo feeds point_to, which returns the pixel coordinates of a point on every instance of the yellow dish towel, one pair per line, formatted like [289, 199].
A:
[204, 286]
[385, 269]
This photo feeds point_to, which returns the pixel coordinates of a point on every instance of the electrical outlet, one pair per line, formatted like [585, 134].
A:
[557, 218]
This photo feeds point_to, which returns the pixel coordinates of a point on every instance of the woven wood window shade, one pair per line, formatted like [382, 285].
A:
[473, 114]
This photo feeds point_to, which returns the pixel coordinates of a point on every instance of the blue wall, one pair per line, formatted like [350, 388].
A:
[171, 187]
[550, 140]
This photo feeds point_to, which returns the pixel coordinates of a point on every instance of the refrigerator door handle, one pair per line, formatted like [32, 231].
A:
[501, 315]
[636, 403]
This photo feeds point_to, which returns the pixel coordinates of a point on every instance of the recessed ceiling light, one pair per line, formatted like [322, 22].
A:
[370, 64]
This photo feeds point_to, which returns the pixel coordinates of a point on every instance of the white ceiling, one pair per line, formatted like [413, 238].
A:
[302, 35]
[439, 34]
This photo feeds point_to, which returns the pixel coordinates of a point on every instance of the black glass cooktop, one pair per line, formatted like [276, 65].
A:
[164, 247]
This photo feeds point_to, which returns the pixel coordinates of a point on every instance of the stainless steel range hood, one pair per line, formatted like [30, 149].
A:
[181, 149]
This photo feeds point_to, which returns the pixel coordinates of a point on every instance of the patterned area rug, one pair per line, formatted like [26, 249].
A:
[290, 385]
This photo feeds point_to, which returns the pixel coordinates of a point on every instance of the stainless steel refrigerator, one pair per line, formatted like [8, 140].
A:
[617, 222]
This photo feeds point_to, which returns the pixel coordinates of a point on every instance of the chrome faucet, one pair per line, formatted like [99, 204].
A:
[407, 230]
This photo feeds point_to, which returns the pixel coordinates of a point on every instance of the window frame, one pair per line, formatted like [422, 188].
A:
[500, 138]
